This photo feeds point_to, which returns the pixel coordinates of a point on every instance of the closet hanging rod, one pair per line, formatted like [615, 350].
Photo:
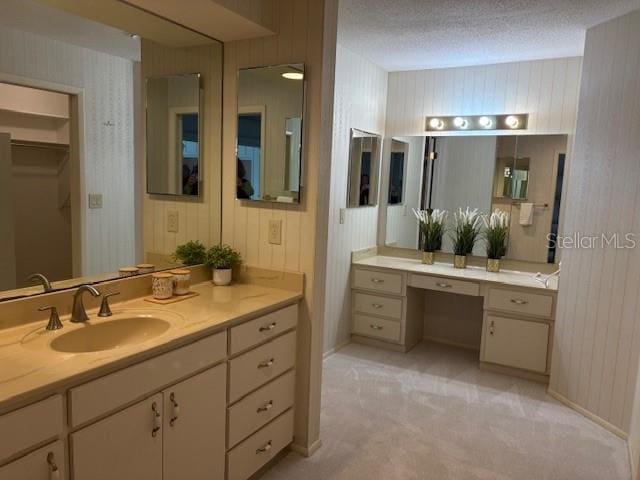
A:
[535, 205]
[48, 146]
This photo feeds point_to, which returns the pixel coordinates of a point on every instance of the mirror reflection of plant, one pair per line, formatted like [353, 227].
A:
[467, 230]
[432, 227]
[496, 231]
[222, 257]
[191, 253]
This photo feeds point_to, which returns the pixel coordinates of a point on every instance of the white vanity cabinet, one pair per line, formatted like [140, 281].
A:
[46, 463]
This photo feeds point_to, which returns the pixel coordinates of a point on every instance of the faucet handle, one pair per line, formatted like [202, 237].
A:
[54, 318]
[105, 309]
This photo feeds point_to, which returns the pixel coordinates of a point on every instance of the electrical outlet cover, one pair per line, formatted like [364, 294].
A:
[275, 232]
[95, 200]
[172, 221]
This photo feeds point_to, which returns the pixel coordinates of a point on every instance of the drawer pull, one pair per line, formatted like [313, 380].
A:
[444, 285]
[377, 280]
[268, 328]
[376, 327]
[54, 472]
[266, 448]
[492, 327]
[157, 419]
[377, 305]
[519, 301]
[266, 364]
[266, 407]
[176, 409]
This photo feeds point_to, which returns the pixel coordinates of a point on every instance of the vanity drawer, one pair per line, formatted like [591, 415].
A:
[516, 343]
[257, 331]
[35, 466]
[260, 365]
[112, 391]
[379, 281]
[520, 302]
[31, 425]
[376, 327]
[377, 305]
[460, 287]
[252, 454]
[259, 408]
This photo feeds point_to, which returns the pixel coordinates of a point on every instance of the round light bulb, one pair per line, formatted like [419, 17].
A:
[485, 122]
[512, 121]
[460, 122]
[436, 123]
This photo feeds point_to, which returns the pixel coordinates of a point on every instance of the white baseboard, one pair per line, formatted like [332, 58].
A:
[633, 457]
[330, 352]
[306, 451]
[591, 416]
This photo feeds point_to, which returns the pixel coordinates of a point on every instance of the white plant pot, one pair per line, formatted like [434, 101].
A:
[222, 277]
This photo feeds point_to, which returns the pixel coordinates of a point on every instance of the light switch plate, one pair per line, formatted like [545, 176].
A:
[95, 200]
[275, 232]
[172, 221]
[343, 213]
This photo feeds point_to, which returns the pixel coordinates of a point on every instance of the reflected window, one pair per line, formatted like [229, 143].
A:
[396, 172]
[188, 126]
[249, 155]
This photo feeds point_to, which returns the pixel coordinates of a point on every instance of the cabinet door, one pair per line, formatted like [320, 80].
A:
[194, 427]
[516, 343]
[46, 463]
[127, 445]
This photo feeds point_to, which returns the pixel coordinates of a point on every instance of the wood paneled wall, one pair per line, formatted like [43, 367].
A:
[359, 102]
[306, 30]
[197, 219]
[597, 340]
[546, 89]
[108, 235]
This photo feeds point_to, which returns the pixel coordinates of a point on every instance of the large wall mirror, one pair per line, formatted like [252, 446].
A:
[519, 174]
[173, 135]
[79, 151]
[364, 164]
[270, 133]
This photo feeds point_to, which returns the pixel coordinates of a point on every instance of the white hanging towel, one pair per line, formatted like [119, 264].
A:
[526, 214]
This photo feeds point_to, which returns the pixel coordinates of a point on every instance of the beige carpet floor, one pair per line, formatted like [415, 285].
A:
[432, 414]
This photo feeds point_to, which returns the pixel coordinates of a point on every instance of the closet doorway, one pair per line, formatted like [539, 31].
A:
[39, 184]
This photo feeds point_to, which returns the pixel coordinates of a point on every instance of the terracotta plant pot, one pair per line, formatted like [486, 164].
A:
[222, 277]
[459, 261]
[493, 265]
[428, 258]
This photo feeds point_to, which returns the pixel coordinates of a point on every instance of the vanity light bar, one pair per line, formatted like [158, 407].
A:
[459, 123]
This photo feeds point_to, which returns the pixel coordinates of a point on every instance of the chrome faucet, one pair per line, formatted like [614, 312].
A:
[78, 312]
[42, 279]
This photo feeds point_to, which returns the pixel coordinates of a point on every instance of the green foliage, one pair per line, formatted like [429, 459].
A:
[467, 231]
[431, 224]
[190, 253]
[497, 230]
[222, 257]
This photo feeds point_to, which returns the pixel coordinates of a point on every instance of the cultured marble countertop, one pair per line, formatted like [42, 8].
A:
[504, 277]
[28, 374]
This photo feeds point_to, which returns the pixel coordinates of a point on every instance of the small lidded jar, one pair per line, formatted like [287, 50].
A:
[145, 268]
[162, 285]
[181, 281]
[128, 271]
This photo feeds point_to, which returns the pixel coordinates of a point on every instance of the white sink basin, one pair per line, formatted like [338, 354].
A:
[122, 330]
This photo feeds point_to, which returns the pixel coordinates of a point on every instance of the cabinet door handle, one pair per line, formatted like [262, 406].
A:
[54, 472]
[176, 409]
[492, 327]
[266, 363]
[519, 301]
[266, 448]
[377, 305]
[157, 419]
[268, 328]
[266, 407]
[376, 327]
[377, 280]
[443, 285]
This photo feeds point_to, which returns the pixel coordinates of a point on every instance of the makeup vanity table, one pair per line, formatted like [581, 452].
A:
[388, 305]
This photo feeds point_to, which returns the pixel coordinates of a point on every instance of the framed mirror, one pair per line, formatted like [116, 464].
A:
[520, 174]
[173, 135]
[270, 133]
[365, 149]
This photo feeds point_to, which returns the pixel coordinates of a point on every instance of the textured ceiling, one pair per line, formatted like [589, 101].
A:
[418, 34]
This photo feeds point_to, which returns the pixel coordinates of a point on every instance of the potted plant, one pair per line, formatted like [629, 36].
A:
[467, 229]
[222, 259]
[431, 224]
[496, 231]
[190, 253]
